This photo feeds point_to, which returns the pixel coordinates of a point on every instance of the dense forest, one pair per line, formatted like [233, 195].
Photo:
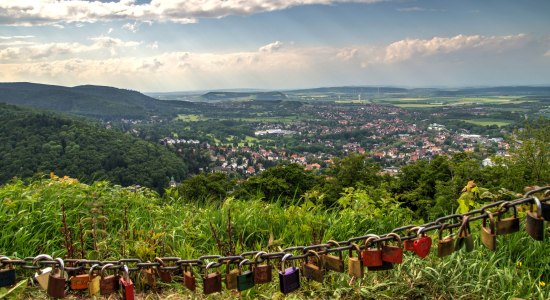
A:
[34, 142]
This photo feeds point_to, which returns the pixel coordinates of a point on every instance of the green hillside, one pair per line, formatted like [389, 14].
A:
[32, 142]
[88, 100]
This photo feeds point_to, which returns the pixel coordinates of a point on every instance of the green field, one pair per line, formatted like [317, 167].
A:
[191, 118]
[489, 122]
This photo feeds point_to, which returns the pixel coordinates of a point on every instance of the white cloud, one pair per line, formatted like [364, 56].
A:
[16, 37]
[42, 12]
[416, 48]
[154, 45]
[133, 27]
[272, 47]
[17, 52]
[419, 9]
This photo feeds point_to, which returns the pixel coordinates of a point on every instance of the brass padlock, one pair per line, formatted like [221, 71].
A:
[534, 222]
[93, 284]
[262, 273]
[488, 236]
[445, 245]
[42, 276]
[507, 225]
[7, 275]
[165, 275]
[108, 283]
[231, 277]
[150, 278]
[188, 278]
[465, 236]
[333, 262]
[355, 264]
[313, 271]
[212, 282]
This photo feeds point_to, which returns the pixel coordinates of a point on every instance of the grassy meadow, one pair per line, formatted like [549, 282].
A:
[139, 223]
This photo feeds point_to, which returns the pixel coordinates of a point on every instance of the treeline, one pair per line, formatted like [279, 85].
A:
[38, 142]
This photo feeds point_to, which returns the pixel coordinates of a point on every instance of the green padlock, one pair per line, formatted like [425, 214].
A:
[245, 280]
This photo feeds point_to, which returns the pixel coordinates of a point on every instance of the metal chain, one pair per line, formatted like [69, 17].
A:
[176, 263]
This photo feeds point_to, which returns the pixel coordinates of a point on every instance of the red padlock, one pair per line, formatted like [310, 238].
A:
[372, 257]
[128, 290]
[408, 244]
[422, 244]
[393, 254]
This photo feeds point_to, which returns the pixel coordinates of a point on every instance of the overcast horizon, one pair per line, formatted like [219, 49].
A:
[192, 45]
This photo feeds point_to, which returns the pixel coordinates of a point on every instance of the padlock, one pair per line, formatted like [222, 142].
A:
[422, 245]
[43, 276]
[393, 254]
[188, 278]
[311, 270]
[79, 281]
[128, 288]
[333, 262]
[262, 273]
[231, 277]
[507, 225]
[355, 264]
[212, 282]
[408, 244]
[108, 283]
[7, 275]
[445, 245]
[464, 236]
[165, 275]
[245, 279]
[289, 278]
[534, 222]
[372, 257]
[93, 284]
[150, 277]
[57, 282]
[488, 236]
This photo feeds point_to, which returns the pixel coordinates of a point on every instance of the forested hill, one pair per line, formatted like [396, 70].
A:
[87, 100]
[32, 142]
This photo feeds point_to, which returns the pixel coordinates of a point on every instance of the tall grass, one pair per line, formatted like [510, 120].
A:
[30, 218]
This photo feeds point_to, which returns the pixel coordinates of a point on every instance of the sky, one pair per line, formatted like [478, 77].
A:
[184, 45]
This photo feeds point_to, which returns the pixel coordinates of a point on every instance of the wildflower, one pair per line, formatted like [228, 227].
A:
[518, 264]
[542, 283]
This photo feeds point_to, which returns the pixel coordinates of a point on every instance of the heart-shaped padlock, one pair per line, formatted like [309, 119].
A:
[422, 245]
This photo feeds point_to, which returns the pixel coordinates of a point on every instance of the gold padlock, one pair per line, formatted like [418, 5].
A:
[94, 283]
[313, 271]
[231, 277]
[355, 264]
[333, 262]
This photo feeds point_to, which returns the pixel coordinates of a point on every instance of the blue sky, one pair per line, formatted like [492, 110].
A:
[176, 45]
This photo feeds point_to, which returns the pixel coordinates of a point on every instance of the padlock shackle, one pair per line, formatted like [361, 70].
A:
[491, 222]
[537, 202]
[41, 257]
[315, 254]
[503, 208]
[354, 246]
[287, 256]
[396, 237]
[464, 229]
[104, 268]
[125, 273]
[61, 264]
[258, 256]
[91, 271]
[370, 239]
